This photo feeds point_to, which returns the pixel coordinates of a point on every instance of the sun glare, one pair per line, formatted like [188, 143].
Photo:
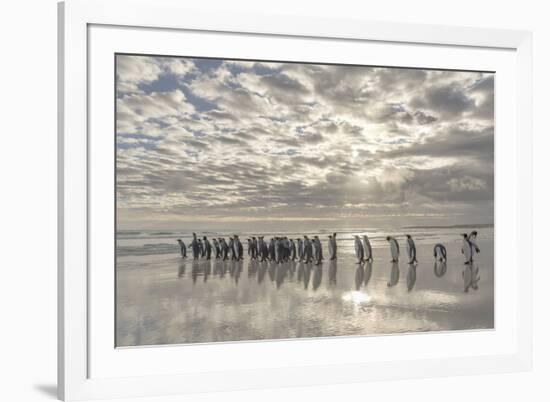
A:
[356, 297]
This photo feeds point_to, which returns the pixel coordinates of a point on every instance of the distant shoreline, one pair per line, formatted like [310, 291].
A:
[468, 226]
[167, 232]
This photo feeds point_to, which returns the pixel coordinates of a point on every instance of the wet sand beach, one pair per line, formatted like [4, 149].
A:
[164, 299]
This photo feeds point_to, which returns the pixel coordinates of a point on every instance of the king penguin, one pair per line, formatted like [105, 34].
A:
[411, 250]
[359, 251]
[367, 247]
[467, 249]
[394, 249]
[440, 252]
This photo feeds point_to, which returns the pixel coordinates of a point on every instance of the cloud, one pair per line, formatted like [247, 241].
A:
[133, 71]
[451, 142]
[424, 118]
[218, 140]
[447, 100]
[466, 183]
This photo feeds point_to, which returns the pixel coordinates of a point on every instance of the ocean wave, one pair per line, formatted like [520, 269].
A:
[147, 249]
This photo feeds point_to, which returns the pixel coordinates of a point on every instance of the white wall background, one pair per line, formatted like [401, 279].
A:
[28, 198]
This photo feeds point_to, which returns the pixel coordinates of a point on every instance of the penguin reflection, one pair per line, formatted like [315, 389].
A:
[237, 268]
[271, 270]
[300, 275]
[307, 275]
[225, 268]
[470, 275]
[359, 277]
[411, 277]
[368, 272]
[207, 269]
[332, 271]
[218, 268]
[292, 269]
[440, 268]
[394, 274]
[252, 268]
[280, 271]
[261, 271]
[317, 277]
[195, 271]
[181, 269]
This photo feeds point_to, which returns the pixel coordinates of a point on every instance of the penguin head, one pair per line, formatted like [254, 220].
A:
[388, 238]
[408, 236]
[465, 235]
[474, 232]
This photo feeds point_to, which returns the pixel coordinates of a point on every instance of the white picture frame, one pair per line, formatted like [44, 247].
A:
[89, 368]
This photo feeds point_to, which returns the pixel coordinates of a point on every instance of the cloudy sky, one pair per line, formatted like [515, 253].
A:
[224, 144]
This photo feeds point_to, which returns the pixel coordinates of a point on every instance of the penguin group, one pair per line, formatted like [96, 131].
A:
[277, 249]
[281, 249]
[469, 247]
[363, 249]
[222, 249]
[308, 252]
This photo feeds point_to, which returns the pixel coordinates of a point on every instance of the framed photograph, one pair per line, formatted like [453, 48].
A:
[255, 201]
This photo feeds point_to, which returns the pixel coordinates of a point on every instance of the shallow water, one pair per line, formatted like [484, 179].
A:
[163, 299]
